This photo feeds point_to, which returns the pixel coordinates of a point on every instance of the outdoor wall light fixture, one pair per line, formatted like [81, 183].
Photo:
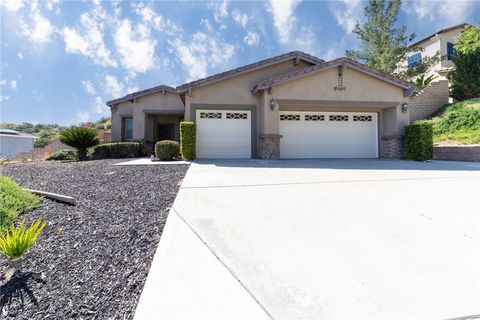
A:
[404, 107]
[273, 104]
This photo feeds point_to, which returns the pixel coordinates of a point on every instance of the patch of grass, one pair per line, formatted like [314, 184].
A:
[458, 123]
[14, 200]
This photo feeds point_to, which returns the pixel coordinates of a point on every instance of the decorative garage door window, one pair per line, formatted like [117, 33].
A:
[314, 117]
[289, 117]
[339, 117]
[210, 115]
[237, 115]
[362, 118]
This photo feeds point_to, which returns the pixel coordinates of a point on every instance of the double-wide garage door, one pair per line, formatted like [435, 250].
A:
[223, 134]
[328, 135]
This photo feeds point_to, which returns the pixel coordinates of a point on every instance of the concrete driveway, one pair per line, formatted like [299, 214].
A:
[320, 239]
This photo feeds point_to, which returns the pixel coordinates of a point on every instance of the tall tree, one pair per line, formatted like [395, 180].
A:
[466, 57]
[383, 45]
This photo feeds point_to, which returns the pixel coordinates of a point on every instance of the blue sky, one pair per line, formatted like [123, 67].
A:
[61, 60]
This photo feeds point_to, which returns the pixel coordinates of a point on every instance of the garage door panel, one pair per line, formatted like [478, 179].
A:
[328, 135]
[223, 134]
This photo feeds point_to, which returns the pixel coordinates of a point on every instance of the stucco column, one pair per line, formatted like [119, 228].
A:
[139, 119]
[269, 137]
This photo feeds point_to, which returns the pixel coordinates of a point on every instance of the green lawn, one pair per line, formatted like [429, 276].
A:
[14, 200]
[458, 123]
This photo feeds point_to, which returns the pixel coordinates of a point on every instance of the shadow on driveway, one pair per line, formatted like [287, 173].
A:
[346, 164]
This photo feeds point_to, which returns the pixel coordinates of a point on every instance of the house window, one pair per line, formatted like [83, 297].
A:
[450, 50]
[414, 60]
[128, 129]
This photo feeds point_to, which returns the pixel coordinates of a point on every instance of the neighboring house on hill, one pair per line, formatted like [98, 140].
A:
[443, 42]
[14, 142]
[290, 106]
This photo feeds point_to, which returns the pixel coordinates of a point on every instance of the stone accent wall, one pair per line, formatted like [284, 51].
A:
[428, 101]
[392, 147]
[457, 153]
[269, 147]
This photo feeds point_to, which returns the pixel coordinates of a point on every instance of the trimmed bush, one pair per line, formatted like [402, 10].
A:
[80, 138]
[115, 150]
[188, 131]
[65, 154]
[166, 150]
[145, 148]
[419, 141]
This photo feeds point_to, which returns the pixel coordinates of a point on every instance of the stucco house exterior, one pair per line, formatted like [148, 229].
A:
[442, 41]
[13, 142]
[293, 105]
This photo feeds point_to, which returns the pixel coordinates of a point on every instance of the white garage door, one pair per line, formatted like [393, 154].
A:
[223, 134]
[328, 135]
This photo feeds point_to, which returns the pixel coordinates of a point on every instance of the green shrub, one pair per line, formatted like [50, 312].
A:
[188, 131]
[115, 150]
[419, 141]
[13, 201]
[80, 138]
[166, 150]
[145, 148]
[17, 241]
[65, 154]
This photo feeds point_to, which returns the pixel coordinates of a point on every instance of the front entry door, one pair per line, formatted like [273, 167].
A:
[165, 132]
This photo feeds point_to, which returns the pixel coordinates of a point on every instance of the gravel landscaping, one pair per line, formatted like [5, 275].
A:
[92, 259]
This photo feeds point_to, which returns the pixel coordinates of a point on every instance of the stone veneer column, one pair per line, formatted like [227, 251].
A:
[392, 147]
[269, 146]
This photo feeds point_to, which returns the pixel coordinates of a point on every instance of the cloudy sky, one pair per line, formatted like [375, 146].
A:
[61, 60]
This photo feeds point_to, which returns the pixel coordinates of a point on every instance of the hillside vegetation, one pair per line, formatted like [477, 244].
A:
[458, 123]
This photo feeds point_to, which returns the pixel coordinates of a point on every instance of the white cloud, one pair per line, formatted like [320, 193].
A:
[4, 98]
[88, 41]
[283, 17]
[13, 84]
[20, 55]
[99, 107]
[251, 38]
[3, 82]
[88, 87]
[113, 87]
[39, 29]
[136, 48]
[202, 52]
[53, 5]
[206, 23]
[347, 13]
[220, 10]
[12, 5]
[440, 13]
[83, 116]
[240, 18]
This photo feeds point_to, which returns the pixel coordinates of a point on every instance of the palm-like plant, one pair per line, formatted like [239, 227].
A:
[16, 241]
[423, 82]
[80, 138]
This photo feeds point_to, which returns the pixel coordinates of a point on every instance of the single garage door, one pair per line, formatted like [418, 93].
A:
[328, 135]
[223, 134]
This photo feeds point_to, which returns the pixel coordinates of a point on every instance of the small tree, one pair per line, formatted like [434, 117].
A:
[383, 45]
[80, 138]
[466, 57]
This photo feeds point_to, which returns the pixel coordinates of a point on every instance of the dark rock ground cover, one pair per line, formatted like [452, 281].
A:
[92, 259]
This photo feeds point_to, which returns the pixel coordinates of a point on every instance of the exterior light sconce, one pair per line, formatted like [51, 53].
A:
[273, 104]
[404, 107]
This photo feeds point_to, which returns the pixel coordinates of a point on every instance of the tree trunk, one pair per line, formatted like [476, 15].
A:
[82, 154]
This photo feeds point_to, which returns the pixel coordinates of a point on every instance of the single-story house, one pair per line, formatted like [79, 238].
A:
[13, 142]
[290, 106]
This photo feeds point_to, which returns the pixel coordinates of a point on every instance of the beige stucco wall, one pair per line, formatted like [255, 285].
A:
[140, 110]
[237, 90]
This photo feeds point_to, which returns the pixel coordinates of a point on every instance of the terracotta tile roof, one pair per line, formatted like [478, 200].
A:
[265, 84]
[458, 26]
[250, 67]
[137, 94]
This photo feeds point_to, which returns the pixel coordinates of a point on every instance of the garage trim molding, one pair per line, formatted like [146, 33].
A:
[249, 107]
[346, 103]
